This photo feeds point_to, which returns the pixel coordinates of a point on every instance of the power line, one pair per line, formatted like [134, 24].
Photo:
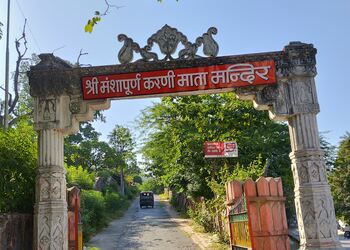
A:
[30, 30]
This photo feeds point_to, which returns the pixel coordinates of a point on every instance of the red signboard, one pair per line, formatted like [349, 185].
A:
[220, 149]
[155, 83]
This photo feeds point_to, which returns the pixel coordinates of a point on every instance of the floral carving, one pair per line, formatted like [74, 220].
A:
[303, 174]
[50, 189]
[314, 173]
[323, 217]
[44, 236]
[309, 219]
[168, 39]
[44, 189]
[74, 106]
[58, 234]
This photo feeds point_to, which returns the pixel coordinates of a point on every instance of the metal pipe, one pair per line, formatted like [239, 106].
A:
[7, 67]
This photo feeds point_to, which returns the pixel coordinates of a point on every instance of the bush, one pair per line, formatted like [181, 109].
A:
[94, 214]
[80, 177]
[113, 202]
[201, 216]
[18, 160]
[131, 192]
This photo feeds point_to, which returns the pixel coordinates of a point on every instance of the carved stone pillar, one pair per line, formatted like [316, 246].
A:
[50, 215]
[58, 108]
[294, 99]
[313, 199]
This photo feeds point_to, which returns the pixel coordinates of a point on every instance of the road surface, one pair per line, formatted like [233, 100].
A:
[146, 228]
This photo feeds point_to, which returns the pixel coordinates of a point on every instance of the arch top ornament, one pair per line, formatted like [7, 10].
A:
[168, 39]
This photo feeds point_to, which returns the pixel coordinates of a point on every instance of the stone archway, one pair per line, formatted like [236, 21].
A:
[60, 105]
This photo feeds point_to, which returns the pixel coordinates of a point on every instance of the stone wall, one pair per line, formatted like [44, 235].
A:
[16, 231]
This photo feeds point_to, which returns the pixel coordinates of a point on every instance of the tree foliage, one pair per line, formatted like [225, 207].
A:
[122, 141]
[77, 176]
[177, 127]
[18, 159]
[86, 150]
[329, 151]
[343, 155]
[339, 179]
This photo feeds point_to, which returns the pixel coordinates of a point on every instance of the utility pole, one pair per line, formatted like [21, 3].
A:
[7, 67]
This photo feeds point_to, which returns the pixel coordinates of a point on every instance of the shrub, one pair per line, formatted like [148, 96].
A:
[131, 192]
[201, 216]
[94, 216]
[113, 201]
[80, 177]
[18, 160]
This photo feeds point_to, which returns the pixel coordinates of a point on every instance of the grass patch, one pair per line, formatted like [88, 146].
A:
[219, 246]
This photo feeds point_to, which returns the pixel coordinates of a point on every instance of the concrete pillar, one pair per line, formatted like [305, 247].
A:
[50, 213]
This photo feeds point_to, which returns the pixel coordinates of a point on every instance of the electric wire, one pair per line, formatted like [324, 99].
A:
[30, 30]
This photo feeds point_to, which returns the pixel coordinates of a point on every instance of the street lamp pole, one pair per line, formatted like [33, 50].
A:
[7, 67]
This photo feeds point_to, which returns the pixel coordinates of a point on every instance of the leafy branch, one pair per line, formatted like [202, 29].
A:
[97, 17]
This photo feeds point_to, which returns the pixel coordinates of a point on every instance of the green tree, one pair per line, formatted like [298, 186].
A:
[343, 155]
[85, 149]
[177, 127]
[122, 141]
[18, 160]
[77, 176]
[339, 179]
[329, 151]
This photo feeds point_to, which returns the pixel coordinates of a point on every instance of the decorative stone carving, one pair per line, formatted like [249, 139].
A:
[168, 39]
[298, 60]
[303, 174]
[75, 105]
[44, 237]
[58, 233]
[47, 109]
[51, 234]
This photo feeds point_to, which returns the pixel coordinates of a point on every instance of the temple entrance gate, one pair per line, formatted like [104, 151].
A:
[281, 82]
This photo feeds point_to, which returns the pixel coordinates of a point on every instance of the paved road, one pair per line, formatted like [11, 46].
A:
[344, 242]
[144, 229]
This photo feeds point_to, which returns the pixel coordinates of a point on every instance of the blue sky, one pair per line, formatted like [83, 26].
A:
[248, 26]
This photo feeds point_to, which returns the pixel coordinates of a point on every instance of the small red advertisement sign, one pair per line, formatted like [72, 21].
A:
[156, 83]
[220, 149]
